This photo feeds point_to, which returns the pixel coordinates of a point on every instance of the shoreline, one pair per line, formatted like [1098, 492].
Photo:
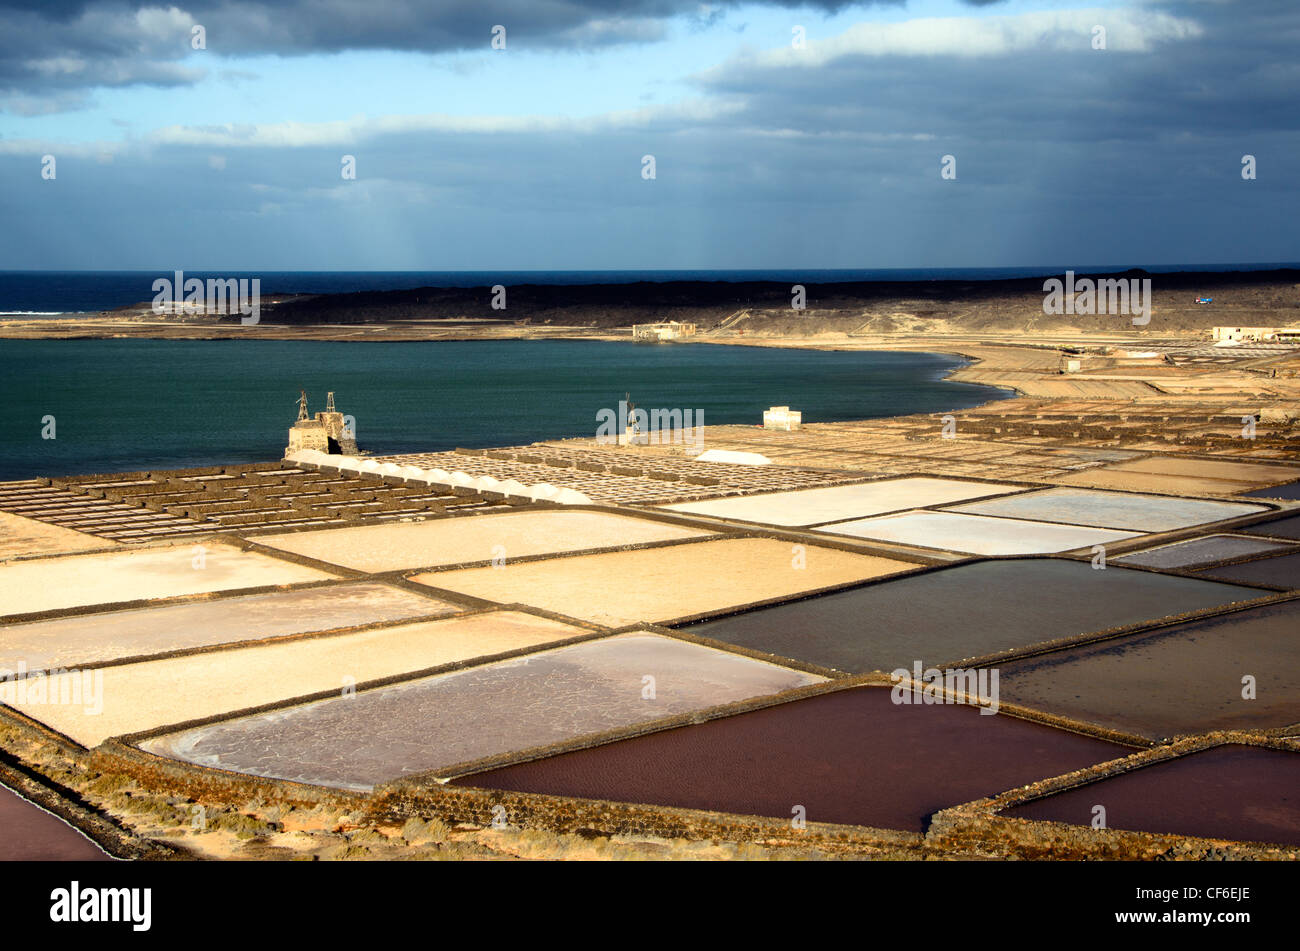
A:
[1174, 303]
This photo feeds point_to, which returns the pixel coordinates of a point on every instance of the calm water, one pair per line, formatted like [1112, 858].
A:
[137, 404]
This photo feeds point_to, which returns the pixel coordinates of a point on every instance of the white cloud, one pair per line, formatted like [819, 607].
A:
[164, 26]
[345, 132]
[99, 151]
[1127, 31]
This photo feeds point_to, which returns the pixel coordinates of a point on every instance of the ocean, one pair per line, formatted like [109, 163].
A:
[120, 405]
[53, 293]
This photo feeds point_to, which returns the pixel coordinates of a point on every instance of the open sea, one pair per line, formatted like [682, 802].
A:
[120, 405]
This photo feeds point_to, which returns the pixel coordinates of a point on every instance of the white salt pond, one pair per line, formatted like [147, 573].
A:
[976, 534]
[815, 506]
[1122, 510]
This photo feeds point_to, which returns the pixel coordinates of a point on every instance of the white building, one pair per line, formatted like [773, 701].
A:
[782, 417]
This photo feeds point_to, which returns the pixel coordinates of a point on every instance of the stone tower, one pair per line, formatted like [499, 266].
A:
[341, 438]
[306, 433]
[328, 432]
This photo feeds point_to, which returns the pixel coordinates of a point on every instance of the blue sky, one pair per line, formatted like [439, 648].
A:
[530, 157]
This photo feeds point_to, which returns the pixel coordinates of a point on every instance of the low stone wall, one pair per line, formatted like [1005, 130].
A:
[978, 827]
[513, 810]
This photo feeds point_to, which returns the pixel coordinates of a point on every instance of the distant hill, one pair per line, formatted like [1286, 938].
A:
[1239, 298]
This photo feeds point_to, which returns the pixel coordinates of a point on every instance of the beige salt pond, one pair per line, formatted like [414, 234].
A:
[134, 697]
[460, 540]
[48, 584]
[135, 633]
[661, 584]
[26, 536]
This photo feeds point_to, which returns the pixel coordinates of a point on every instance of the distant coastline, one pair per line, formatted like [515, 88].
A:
[465, 307]
[82, 293]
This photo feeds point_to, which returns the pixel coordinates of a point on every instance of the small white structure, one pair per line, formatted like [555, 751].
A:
[1256, 334]
[782, 417]
[663, 331]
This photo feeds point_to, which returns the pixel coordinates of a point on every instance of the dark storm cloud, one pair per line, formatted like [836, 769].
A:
[1065, 155]
[54, 45]
[1206, 71]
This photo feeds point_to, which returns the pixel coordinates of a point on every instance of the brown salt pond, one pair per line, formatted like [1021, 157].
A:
[661, 584]
[1200, 551]
[1245, 793]
[1183, 476]
[464, 539]
[47, 584]
[1280, 570]
[112, 635]
[966, 611]
[1184, 679]
[94, 705]
[852, 756]
[435, 722]
[29, 833]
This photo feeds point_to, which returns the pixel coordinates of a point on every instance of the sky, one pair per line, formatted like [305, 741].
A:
[521, 134]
